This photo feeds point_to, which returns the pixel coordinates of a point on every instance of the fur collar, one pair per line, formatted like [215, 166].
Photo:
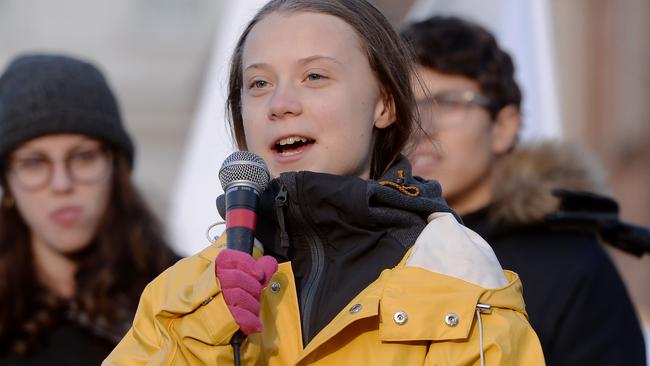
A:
[525, 178]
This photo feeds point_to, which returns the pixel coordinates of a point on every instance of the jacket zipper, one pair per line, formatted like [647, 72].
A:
[317, 252]
[280, 202]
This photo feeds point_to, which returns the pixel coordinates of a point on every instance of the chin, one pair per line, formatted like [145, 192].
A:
[70, 246]
[276, 171]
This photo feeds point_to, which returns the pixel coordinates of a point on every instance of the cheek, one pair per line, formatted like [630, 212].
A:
[463, 157]
[31, 208]
[252, 127]
[30, 205]
[101, 199]
[452, 143]
[254, 141]
[466, 141]
[95, 200]
[351, 117]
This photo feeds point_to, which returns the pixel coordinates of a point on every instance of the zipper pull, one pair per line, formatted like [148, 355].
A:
[280, 202]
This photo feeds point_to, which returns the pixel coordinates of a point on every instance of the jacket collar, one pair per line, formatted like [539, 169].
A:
[525, 178]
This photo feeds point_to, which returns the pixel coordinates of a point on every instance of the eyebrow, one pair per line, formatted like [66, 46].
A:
[302, 61]
[309, 59]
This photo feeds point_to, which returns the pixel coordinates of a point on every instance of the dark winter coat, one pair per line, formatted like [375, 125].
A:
[575, 298]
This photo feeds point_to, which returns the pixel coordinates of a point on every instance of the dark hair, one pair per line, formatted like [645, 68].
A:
[454, 46]
[390, 60]
[127, 252]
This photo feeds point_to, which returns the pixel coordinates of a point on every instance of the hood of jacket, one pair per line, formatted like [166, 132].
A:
[526, 178]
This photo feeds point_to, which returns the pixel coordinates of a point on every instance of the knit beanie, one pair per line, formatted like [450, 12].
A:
[52, 94]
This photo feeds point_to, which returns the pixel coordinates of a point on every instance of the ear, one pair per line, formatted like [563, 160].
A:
[505, 129]
[384, 111]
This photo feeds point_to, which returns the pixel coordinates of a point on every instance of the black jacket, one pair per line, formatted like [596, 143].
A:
[575, 298]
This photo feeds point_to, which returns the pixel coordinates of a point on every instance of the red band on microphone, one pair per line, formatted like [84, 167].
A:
[241, 217]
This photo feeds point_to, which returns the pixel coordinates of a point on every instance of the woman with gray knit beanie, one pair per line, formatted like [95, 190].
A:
[77, 242]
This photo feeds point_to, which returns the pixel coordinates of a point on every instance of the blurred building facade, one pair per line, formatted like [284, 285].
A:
[603, 50]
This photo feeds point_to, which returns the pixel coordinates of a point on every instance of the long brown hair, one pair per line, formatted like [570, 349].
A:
[389, 58]
[128, 251]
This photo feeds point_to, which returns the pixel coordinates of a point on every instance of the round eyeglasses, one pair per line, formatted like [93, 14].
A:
[447, 108]
[85, 166]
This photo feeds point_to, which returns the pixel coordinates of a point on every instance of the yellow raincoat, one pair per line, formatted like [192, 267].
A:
[425, 311]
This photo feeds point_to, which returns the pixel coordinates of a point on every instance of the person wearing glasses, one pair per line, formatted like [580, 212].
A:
[469, 103]
[77, 242]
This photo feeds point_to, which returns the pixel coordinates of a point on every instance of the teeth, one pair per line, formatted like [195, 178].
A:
[291, 140]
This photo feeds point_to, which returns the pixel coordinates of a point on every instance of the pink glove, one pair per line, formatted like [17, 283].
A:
[242, 279]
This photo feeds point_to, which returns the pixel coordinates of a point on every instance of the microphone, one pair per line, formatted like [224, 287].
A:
[243, 176]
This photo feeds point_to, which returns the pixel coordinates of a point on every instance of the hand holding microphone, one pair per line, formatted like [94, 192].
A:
[243, 176]
[242, 279]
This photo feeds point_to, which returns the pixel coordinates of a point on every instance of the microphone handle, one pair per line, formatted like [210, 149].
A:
[241, 217]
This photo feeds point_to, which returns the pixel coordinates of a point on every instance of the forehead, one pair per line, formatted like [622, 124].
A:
[300, 34]
[56, 142]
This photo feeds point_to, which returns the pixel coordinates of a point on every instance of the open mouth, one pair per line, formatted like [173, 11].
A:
[292, 144]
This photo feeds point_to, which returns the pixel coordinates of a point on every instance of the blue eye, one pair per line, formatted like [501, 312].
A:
[315, 77]
[259, 84]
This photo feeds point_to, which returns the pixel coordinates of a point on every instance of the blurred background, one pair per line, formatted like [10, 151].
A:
[583, 65]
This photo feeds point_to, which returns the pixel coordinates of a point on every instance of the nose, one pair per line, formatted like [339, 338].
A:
[61, 181]
[284, 102]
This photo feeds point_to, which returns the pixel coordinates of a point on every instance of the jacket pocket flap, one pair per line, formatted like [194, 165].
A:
[422, 319]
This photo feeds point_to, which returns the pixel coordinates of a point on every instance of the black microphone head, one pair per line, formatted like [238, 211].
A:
[246, 168]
